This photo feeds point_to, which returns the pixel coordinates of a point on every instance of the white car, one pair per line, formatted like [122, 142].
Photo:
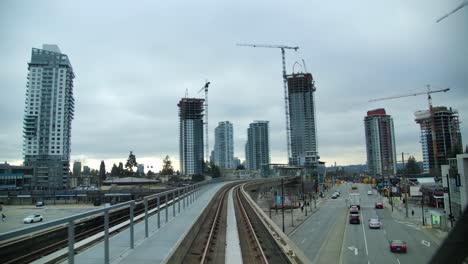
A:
[369, 192]
[33, 218]
[374, 223]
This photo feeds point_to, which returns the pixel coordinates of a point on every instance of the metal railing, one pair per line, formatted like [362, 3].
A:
[187, 194]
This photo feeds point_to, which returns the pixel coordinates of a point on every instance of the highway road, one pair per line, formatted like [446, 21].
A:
[327, 236]
[364, 245]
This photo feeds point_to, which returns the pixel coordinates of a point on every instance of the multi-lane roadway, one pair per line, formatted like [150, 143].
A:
[327, 236]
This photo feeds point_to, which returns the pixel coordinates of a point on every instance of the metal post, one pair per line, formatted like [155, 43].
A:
[183, 198]
[132, 233]
[106, 237]
[159, 211]
[167, 205]
[450, 202]
[282, 201]
[178, 199]
[71, 242]
[173, 204]
[146, 217]
[422, 209]
[292, 214]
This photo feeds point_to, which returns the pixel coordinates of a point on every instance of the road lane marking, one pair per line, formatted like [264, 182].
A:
[426, 243]
[384, 232]
[398, 261]
[304, 240]
[363, 230]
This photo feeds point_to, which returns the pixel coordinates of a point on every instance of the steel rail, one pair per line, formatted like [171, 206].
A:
[264, 258]
[213, 226]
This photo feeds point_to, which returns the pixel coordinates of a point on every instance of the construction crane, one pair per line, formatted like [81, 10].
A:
[207, 144]
[285, 83]
[429, 100]
[453, 11]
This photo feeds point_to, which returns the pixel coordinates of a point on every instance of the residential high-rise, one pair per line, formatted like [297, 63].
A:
[224, 145]
[380, 143]
[48, 112]
[191, 136]
[257, 148]
[448, 136]
[77, 168]
[302, 118]
[140, 169]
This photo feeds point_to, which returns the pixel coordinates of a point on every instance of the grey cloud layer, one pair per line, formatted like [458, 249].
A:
[133, 63]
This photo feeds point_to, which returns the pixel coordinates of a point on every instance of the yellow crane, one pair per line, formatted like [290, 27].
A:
[285, 83]
[429, 100]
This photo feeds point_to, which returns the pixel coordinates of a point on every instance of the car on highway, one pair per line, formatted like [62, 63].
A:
[354, 215]
[334, 196]
[337, 194]
[40, 204]
[398, 246]
[369, 192]
[33, 218]
[378, 205]
[374, 223]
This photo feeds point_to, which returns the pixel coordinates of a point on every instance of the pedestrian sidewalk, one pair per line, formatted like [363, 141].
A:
[415, 216]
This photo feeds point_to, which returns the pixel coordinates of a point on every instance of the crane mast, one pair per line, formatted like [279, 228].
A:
[207, 144]
[431, 114]
[285, 84]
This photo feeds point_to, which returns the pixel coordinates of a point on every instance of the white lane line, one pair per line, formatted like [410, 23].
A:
[398, 261]
[363, 230]
[304, 240]
[426, 243]
[384, 232]
[355, 251]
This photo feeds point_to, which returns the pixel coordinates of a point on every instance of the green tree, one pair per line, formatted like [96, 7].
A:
[212, 170]
[466, 149]
[131, 162]
[412, 166]
[102, 172]
[120, 169]
[114, 170]
[198, 178]
[167, 167]
[150, 174]
[240, 167]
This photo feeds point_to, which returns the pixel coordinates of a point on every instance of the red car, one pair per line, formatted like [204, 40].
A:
[378, 205]
[398, 246]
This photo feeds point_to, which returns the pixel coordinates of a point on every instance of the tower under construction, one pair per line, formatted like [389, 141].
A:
[301, 88]
[191, 136]
[447, 134]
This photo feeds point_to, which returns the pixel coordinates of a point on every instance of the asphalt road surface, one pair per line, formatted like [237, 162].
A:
[327, 236]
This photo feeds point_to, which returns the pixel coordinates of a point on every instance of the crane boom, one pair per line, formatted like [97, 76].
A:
[453, 11]
[207, 143]
[407, 95]
[267, 46]
[285, 84]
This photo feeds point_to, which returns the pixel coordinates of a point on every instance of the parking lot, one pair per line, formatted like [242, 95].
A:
[14, 214]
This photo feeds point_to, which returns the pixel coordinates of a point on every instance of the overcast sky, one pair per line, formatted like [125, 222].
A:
[134, 60]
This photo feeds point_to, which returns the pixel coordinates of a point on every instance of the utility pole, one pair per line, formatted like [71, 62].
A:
[405, 184]
[282, 201]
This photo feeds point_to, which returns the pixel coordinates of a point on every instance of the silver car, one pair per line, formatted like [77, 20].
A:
[375, 223]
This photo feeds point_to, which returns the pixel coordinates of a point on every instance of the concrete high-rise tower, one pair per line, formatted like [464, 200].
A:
[191, 136]
[257, 148]
[448, 136]
[303, 124]
[380, 143]
[224, 145]
[48, 112]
